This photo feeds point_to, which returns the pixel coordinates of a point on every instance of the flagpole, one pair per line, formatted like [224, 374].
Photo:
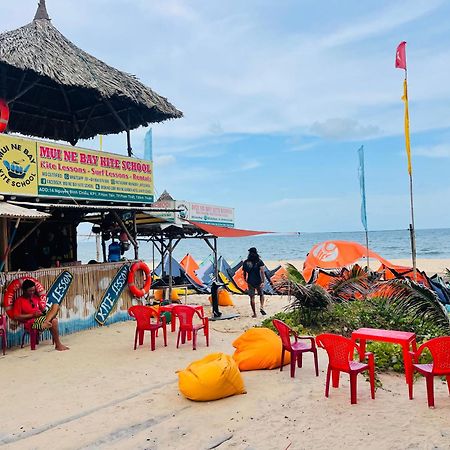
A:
[412, 230]
[362, 185]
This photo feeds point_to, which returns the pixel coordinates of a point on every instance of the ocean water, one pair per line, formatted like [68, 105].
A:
[393, 244]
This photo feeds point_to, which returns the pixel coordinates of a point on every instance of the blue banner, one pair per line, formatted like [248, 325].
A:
[59, 288]
[112, 294]
[362, 186]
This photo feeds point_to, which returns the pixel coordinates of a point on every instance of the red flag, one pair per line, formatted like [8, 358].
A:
[400, 56]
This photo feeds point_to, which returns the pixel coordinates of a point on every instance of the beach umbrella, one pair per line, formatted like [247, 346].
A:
[56, 90]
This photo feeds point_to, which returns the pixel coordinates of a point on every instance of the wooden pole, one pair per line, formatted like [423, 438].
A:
[170, 269]
[136, 248]
[367, 247]
[129, 149]
[216, 261]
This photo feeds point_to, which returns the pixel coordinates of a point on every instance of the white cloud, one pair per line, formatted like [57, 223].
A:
[340, 128]
[232, 70]
[248, 165]
[386, 20]
[164, 160]
[435, 151]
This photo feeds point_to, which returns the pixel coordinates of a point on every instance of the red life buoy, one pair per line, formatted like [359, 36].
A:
[4, 115]
[8, 300]
[148, 279]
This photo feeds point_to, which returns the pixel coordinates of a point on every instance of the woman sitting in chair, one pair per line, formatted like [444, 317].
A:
[27, 308]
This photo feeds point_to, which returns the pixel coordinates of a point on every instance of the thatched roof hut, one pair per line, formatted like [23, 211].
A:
[56, 90]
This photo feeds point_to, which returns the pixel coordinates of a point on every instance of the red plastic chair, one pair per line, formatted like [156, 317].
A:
[185, 315]
[3, 332]
[340, 353]
[440, 351]
[295, 348]
[35, 335]
[143, 315]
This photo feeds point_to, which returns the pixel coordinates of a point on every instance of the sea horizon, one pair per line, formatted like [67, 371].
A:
[432, 243]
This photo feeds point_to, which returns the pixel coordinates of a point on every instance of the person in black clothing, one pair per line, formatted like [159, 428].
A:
[254, 276]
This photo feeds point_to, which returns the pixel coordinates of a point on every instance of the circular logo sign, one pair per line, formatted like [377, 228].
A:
[18, 172]
[326, 252]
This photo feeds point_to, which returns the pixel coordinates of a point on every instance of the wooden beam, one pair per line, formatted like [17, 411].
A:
[24, 238]
[69, 109]
[87, 121]
[22, 92]
[131, 238]
[116, 115]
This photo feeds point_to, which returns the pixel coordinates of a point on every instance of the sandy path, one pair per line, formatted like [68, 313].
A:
[101, 395]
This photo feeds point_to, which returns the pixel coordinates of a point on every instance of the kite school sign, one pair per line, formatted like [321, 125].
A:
[35, 168]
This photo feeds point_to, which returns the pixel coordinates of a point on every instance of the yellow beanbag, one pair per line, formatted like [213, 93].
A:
[259, 348]
[224, 298]
[211, 378]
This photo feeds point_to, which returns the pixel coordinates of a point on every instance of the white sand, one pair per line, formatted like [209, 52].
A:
[103, 395]
[430, 266]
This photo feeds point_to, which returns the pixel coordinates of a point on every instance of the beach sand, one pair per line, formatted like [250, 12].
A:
[430, 266]
[103, 395]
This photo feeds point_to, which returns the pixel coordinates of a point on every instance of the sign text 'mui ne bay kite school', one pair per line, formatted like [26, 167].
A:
[34, 168]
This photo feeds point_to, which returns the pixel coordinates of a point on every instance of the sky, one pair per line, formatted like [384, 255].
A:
[277, 97]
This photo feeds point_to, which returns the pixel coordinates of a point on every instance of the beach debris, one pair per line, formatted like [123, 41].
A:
[219, 441]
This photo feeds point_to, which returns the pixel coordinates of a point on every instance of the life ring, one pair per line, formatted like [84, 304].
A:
[148, 279]
[4, 115]
[8, 300]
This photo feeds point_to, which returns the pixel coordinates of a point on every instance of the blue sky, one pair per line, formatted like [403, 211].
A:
[277, 97]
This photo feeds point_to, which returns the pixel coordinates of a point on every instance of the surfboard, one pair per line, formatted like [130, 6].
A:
[59, 289]
[224, 317]
[112, 294]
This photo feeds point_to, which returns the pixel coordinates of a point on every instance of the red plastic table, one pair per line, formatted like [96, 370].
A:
[403, 338]
[168, 308]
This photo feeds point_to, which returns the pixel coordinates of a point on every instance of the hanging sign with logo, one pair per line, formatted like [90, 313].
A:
[18, 166]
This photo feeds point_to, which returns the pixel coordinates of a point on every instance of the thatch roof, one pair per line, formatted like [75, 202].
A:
[56, 90]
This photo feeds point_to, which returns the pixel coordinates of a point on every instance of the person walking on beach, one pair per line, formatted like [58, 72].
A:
[27, 308]
[254, 276]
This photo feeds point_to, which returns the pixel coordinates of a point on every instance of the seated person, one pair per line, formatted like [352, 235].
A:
[27, 308]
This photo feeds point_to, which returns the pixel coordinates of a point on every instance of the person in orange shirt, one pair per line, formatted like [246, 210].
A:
[27, 308]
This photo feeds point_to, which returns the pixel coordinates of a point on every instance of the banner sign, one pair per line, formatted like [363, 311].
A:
[44, 169]
[197, 212]
[59, 289]
[211, 215]
[112, 295]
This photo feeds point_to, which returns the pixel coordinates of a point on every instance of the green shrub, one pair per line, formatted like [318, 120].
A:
[289, 318]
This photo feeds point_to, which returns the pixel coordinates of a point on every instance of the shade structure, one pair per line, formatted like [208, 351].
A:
[9, 211]
[56, 90]
[225, 232]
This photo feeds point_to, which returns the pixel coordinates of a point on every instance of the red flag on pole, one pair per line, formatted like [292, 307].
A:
[400, 56]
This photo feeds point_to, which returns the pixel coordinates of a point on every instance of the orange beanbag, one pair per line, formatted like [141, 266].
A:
[211, 378]
[259, 348]
[224, 298]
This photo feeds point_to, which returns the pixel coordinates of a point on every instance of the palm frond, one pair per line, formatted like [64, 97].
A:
[349, 283]
[415, 300]
[294, 274]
